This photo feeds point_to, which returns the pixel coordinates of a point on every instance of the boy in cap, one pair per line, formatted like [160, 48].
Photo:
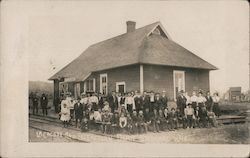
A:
[189, 114]
[135, 121]
[115, 122]
[85, 123]
[163, 120]
[123, 122]
[78, 108]
[156, 121]
[106, 121]
[142, 127]
[203, 116]
[129, 124]
[173, 119]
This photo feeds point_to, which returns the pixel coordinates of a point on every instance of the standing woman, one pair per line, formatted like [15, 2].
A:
[193, 100]
[216, 100]
[201, 101]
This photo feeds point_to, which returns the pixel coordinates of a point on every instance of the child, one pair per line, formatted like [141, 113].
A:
[189, 113]
[163, 120]
[98, 118]
[135, 121]
[203, 116]
[129, 124]
[142, 127]
[212, 118]
[114, 123]
[173, 119]
[85, 123]
[106, 122]
[123, 121]
[147, 117]
[156, 121]
[65, 115]
[196, 117]
[181, 119]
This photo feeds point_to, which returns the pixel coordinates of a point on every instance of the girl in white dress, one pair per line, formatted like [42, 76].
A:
[65, 115]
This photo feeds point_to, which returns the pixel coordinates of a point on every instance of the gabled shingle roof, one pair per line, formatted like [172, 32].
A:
[131, 48]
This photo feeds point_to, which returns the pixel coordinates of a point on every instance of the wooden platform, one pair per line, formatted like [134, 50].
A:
[229, 119]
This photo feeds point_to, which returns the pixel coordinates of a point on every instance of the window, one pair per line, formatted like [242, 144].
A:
[89, 85]
[63, 88]
[179, 82]
[77, 90]
[120, 87]
[104, 84]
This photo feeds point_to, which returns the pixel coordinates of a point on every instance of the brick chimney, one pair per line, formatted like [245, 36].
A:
[130, 26]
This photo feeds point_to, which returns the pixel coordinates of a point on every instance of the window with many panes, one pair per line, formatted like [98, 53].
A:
[104, 84]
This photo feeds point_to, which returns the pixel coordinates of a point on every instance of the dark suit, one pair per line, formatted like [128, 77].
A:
[138, 103]
[164, 101]
[35, 104]
[157, 104]
[145, 102]
[209, 102]
[44, 103]
[181, 104]
[113, 103]
[78, 108]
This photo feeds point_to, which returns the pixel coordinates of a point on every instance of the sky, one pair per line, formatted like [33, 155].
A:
[56, 32]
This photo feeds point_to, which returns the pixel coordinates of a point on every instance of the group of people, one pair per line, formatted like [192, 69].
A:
[43, 99]
[135, 113]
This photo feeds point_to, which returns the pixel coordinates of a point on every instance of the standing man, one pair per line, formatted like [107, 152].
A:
[130, 103]
[181, 105]
[35, 103]
[138, 102]
[164, 100]
[78, 108]
[181, 102]
[209, 101]
[145, 101]
[113, 102]
[152, 101]
[44, 104]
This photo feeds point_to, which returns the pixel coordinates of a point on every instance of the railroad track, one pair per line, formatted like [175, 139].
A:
[57, 123]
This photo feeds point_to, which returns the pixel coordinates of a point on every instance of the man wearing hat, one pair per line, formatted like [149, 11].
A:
[164, 100]
[113, 102]
[44, 103]
[181, 105]
[78, 108]
[181, 102]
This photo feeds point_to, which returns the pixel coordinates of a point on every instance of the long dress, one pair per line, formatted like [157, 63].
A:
[216, 108]
[65, 114]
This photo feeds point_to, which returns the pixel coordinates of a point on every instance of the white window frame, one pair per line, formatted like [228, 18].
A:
[87, 85]
[101, 76]
[120, 83]
[178, 72]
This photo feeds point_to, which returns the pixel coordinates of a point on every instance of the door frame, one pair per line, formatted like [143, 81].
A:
[118, 84]
[178, 72]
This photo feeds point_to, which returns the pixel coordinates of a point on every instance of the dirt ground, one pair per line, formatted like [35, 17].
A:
[224, 134]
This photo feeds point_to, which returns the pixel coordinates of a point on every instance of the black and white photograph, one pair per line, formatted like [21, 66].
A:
[127, 73]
